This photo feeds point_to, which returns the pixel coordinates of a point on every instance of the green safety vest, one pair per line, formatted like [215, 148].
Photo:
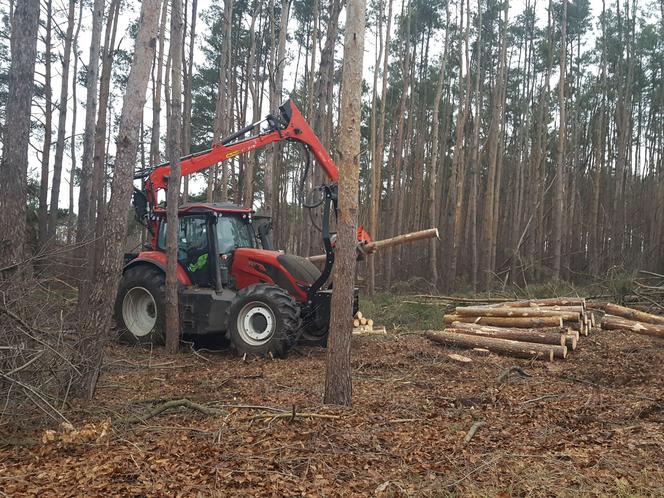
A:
[199, 264]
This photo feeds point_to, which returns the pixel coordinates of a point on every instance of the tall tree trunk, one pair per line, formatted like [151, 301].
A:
[71, 223]
[84, 226]
[595, 254]
[399, 146]
[324, 102]
[62, 121]
[560, 163]
[96, 320]
[155, 138]
[188, 67]
[14, 164]
[99, 158]
[433, 170]
[273, 153]
[222, 113]
[338, 380]
[459, 159]
[248, 186]
[493, 178]
[44, 233]
[377, 157]
[475, 173]
[174, 152]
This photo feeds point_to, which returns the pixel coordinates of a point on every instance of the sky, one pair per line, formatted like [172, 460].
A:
[130, 13]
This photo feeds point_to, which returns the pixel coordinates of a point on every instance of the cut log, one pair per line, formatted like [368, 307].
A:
[358, 315]
[515, 312]
[459, 358]
[504, 346]
[619, 323]
[571, 341]
[481, 351]
[632, 314]
[363, 321]
[576, 325]
[356, 323]
[515, 322]
[385, 243]
[554, 301]
[553, 335]
[370, 322]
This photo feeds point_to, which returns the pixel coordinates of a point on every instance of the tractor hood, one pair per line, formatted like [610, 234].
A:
[290, 272]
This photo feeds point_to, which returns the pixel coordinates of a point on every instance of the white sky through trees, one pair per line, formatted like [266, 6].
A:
[129, 14]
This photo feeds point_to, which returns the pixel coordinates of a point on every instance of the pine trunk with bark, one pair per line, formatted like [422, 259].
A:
[94, 327]
[14, 164]
[338, 379]
[173, 193]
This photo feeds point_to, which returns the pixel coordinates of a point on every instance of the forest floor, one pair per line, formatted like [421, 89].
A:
[590, 425]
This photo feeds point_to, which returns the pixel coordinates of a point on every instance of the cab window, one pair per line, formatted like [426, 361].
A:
[192, 237]
[233, 232]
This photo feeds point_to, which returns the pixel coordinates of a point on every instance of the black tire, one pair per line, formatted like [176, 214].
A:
[141, 293]
[316, 330]
[262, 320]
[314, 335]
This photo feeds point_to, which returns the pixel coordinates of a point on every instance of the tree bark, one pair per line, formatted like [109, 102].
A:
[515, 312]
[515, 322]
[248, 190]
[433, 169]
[71, 223]
[273, 153]
[222, 113]
[377, 158]
[553, 335]
[95, 323]
[14, 164]
[174, 152]
[632, 314]
[518, 349]
[642, 328]
[338, 380]
[188, 69]
[155, 156]
[560, 164]
[62, 122]
[84, 225]
[44, 233]
[99, 159]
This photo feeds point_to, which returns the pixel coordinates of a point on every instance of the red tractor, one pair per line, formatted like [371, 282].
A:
[232, 279]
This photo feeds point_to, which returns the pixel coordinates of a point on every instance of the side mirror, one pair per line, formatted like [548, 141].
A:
[265, 236]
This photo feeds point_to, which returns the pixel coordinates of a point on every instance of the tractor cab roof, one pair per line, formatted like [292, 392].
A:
[203, 207]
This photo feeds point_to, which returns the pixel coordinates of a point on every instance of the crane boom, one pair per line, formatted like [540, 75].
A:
[289, 126]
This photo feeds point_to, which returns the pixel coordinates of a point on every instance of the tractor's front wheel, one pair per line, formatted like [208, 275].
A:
[262, 320]
[140, 306]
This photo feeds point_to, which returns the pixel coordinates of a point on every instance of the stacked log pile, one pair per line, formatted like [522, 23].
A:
[365, 326]
[622, 318]
[544, 329]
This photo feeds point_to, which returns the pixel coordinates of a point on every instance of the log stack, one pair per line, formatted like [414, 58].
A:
[642, 323]
[365, 326]
[543, 329]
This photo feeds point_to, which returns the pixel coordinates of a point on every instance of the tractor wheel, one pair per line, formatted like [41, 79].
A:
[262, 320]
[313, 335]
[140, 306]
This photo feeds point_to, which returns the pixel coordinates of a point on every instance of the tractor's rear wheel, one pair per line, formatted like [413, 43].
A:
[140, 306]
[262, 320]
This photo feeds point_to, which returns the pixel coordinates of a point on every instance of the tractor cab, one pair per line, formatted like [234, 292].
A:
[208, 230]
